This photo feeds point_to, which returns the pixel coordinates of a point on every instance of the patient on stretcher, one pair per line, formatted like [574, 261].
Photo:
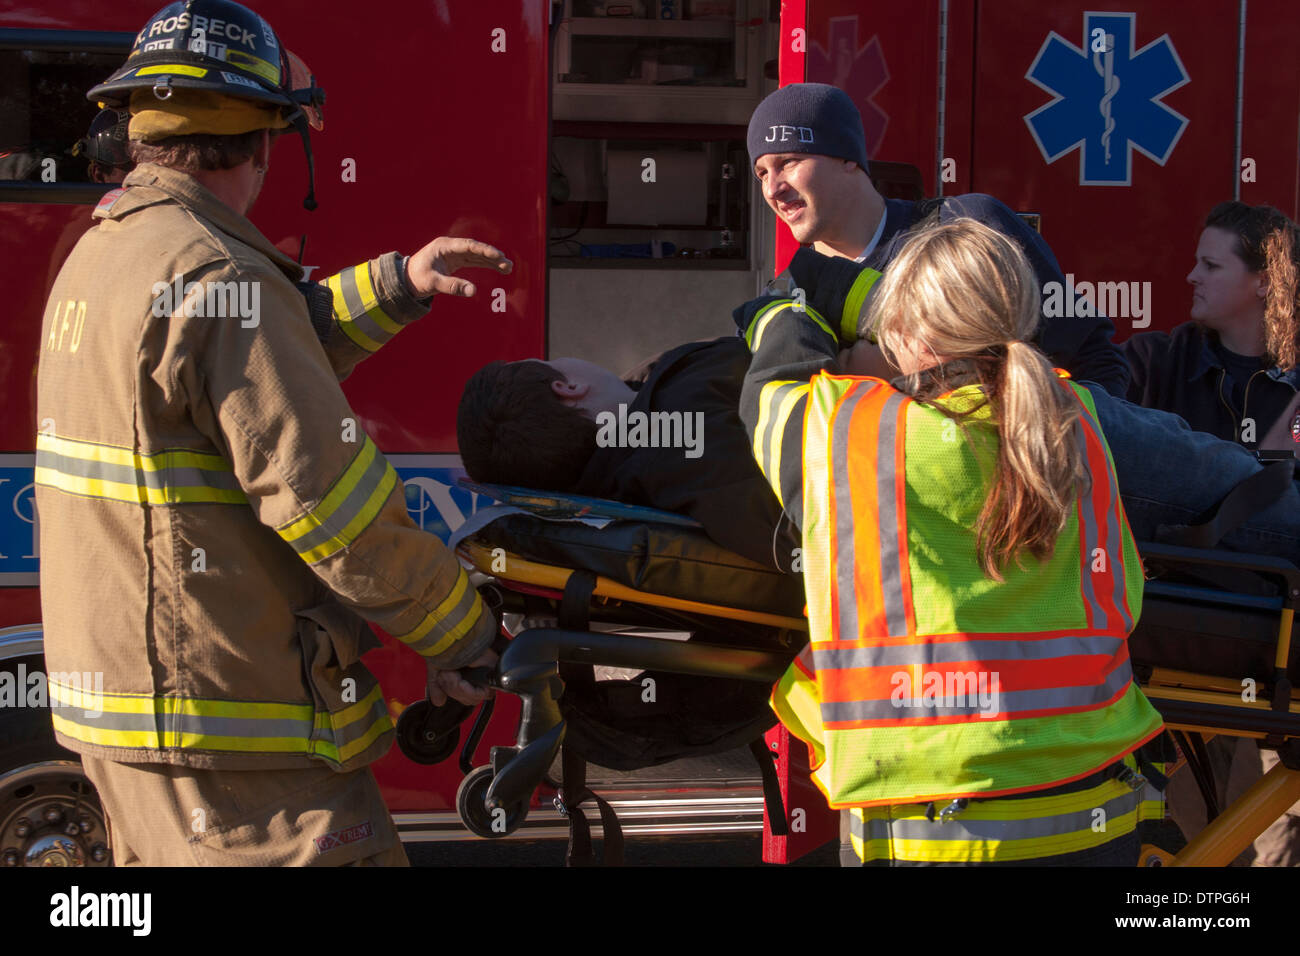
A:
[668, 438]
[535, 424]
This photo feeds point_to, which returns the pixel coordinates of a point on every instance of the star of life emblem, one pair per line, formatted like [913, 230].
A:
[1107, 99]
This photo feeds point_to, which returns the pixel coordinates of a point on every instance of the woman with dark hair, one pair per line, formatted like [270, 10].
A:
[1232, 370]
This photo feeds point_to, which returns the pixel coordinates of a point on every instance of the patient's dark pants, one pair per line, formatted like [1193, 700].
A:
[1170, 474]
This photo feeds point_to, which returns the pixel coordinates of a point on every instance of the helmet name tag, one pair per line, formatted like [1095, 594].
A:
[238, 80]
[209, 25]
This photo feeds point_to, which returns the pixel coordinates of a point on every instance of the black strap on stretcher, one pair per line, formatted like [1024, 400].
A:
[575, 615]
[1198, 762]
[771, 787]
[573, 793]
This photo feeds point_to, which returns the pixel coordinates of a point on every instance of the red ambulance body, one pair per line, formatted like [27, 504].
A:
[511, 122]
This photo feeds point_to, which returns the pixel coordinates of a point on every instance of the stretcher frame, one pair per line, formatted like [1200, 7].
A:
[1195, 703]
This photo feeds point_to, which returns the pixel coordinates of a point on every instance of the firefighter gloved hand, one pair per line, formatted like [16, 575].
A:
[444, 684]
[837, 288]
[429, 271]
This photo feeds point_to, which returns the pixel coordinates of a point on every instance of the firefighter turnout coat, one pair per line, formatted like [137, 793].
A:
[214, 525]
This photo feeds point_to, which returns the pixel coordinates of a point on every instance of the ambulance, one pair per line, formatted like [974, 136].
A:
[531, 125]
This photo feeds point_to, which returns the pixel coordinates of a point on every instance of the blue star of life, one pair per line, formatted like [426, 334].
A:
[1107, 99]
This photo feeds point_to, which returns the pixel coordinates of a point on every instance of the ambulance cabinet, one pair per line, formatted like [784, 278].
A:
[649, 195]
[662, 61]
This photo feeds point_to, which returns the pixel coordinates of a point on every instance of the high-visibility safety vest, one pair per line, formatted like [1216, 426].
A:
[924, 679]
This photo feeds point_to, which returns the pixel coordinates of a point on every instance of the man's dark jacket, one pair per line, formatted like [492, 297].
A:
[723, 489]
[1080, 344]
[1179, 372]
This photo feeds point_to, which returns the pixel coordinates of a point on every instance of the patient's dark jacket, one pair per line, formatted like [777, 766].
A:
[723, 488]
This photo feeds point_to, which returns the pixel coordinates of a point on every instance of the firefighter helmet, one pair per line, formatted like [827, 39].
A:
[214, 45]
[105, 141]
[218, 46]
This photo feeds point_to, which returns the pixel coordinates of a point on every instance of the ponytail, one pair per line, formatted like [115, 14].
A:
[1040, 466]
[964, 291]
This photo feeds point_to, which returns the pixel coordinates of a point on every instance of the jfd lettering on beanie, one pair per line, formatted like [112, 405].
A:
[785, 134]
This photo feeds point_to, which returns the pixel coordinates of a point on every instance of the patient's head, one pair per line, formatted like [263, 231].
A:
[533, 423]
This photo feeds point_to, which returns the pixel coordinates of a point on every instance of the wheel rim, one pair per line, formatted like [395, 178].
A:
[50, 816]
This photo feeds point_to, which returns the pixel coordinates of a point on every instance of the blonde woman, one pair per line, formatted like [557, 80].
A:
[970, 576]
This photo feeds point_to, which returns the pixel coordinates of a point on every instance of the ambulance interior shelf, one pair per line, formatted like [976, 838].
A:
[650, 52]
[649, 195]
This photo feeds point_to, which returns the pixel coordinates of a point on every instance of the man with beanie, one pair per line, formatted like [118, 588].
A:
[215, 529]
[808, 151]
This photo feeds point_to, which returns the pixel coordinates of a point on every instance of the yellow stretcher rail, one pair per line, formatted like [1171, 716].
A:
[523, 571]
[1254, 811]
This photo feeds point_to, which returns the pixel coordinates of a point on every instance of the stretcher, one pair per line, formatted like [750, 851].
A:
[1214, 651]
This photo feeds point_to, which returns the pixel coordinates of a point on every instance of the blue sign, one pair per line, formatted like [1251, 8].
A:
[18, 541]
[433, 501]
[1107, 99]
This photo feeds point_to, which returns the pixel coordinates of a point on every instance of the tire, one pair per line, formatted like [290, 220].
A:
[418, 741]
[478, 819]
[44, 792]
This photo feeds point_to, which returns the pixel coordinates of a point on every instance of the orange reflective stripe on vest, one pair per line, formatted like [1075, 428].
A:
[923, 678]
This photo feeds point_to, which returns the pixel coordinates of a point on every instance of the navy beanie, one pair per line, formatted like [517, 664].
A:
[808, 118]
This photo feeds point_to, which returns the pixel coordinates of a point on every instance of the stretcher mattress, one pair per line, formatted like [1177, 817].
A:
[1187, 628]
[657, 558]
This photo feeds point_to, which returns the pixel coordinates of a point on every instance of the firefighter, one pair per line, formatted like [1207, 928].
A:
[216, 528]
[971, 580]
[104, 146]
[808, 151]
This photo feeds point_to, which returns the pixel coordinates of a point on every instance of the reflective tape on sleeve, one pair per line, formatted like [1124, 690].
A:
[357, 309]
[451, 620]
[347, 509]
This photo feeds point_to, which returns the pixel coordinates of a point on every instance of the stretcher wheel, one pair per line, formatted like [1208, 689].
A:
[419, 738]
[478, 819]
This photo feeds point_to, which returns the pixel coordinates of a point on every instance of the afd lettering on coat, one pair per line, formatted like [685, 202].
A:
[68, 324]
[786, 134]
[210, 25]
[134, 910]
